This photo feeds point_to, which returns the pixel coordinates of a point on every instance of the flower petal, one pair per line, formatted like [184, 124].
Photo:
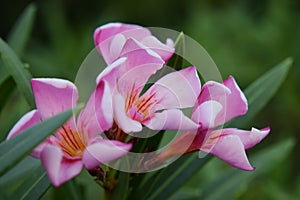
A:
[53, 96]
[116, 47]
[109, 30]
[248, 138]
[103, 151]
[29, 119]
[231, 149]
[124, 122]
[205, 114]
[131, 60]
[229, 95]
[106, 37]
[97, 115]
[178, 89]
[136, 78]
[163, 50]
[58, 168]
[111, 72]
[213, 90]
[172, 119]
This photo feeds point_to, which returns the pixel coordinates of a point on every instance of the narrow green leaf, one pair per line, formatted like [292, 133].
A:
[176, 62]
[19, 171]
[16, 69]
[231, 180]
[6, 88]
[262, 90]
[34, 186]
[19, 36]
[120, 192]
[3, 73]
[26, 180]
[21, 31]
[13, 150]
[166, 181]
[69, 190]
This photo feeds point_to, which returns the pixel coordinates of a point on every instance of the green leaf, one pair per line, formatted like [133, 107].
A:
[34, 186]
[69, 190]
[21, 31]
[262, 90]
[31, 185]
[12, 151]
[176, 61]
[120, 192]
[225, 186]
[6, 88]
[3, 74]
[166, 181]
[16, 69]
[19, 35]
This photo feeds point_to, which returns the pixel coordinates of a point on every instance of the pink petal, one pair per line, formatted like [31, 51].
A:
[248, 138]
[29, 119]
[205, 114]
[124, 122]
[107, 31]
[172, 119]
[104, 35]
[131, 60]
[111, 72]
[178, 89]
[97, 115]
[53, 96]
[231, 149]
[116, 46]
[136, 78]
[104, 151]
[163, 50]
[212, 90]
[234, 102]
[58, 168]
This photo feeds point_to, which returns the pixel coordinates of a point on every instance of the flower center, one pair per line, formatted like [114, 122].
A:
[141, 108]
[72, 142]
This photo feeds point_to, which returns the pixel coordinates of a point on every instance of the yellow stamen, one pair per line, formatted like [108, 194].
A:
[72, 142]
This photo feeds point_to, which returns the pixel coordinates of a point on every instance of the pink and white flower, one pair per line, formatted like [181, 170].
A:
[76, 143]
[218, 103]
[158, 107]
[111, 38]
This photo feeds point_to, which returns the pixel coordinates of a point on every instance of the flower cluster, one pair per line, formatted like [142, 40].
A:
[120, 106]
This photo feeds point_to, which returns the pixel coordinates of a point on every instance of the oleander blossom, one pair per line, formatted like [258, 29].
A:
[111, 38]
[76, 143]
[159, 107]
[218, 103]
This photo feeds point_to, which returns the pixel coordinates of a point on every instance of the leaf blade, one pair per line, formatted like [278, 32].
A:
[258, 96]
[21, 31]
[16, 69]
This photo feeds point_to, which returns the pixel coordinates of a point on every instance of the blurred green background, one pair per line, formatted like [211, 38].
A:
[245, 38]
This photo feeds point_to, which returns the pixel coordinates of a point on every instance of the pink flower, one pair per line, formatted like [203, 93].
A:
[75, 144]
[111, 38]
[217, 104]
[158, 107]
